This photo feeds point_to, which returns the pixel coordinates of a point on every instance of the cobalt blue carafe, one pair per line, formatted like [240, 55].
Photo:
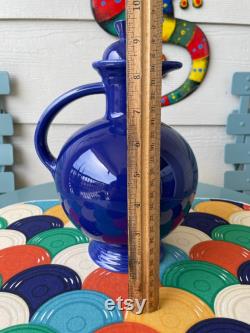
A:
[90, 172]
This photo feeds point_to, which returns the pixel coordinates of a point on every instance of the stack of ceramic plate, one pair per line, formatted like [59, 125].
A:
[49, 284]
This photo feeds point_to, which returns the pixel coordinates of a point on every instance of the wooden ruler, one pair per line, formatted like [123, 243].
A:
[144, 75]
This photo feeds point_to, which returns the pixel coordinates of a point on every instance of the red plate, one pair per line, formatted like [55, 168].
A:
[246, 207]
[227, 255]
[126, 328]
[111, 284]
[16, 259]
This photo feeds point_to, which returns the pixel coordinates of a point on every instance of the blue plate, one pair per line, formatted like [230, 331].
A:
[244, 273]
[203, 222]
[77, 311]
[39, 284]
[33, 225]
[45, 204]
[172, 255]
[220, 325]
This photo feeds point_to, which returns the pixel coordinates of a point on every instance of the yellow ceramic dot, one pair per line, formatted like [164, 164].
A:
[179, 310]
[183, 32]
[218, 208]
[58, 211]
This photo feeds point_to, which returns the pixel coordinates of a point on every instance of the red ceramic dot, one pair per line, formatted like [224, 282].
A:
[184, 4]
[224, 254]
[16, 259]
[111, 284]
[126, 328]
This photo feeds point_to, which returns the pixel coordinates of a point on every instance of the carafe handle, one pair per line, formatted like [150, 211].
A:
[41, 133]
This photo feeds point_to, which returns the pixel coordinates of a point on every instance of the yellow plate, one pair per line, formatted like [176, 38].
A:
[179, 310]
[219, 208]
[58, 211]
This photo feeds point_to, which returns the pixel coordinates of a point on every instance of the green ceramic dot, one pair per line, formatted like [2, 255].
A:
[3, 223]
[28, 329]
[55, 240]
[237, 234]
[202, 279]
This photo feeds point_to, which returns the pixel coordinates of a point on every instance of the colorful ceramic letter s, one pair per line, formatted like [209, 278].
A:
[174, 31]
[91, 171]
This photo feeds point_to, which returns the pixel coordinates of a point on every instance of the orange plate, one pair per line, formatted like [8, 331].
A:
[109, 283]
[126, 328]
[227, 255]
[16, 259]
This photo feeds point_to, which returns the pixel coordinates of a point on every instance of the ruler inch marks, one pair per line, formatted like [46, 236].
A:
[144, 49]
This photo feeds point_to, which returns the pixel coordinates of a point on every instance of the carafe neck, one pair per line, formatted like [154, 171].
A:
[114, 79]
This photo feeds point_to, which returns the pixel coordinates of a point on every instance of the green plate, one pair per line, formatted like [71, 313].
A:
[28, 329]
[200, 278]
[3, 223]
[233, 233]
[56, 240]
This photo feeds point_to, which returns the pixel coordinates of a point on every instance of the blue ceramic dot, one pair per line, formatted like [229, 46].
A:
[200, 70]
[200, 46]
[118, 1]
[103, 3]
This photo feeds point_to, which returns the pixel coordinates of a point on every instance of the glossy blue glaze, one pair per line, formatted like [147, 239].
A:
[91, 170]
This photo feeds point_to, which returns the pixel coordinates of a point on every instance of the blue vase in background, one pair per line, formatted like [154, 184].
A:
[90, 172]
